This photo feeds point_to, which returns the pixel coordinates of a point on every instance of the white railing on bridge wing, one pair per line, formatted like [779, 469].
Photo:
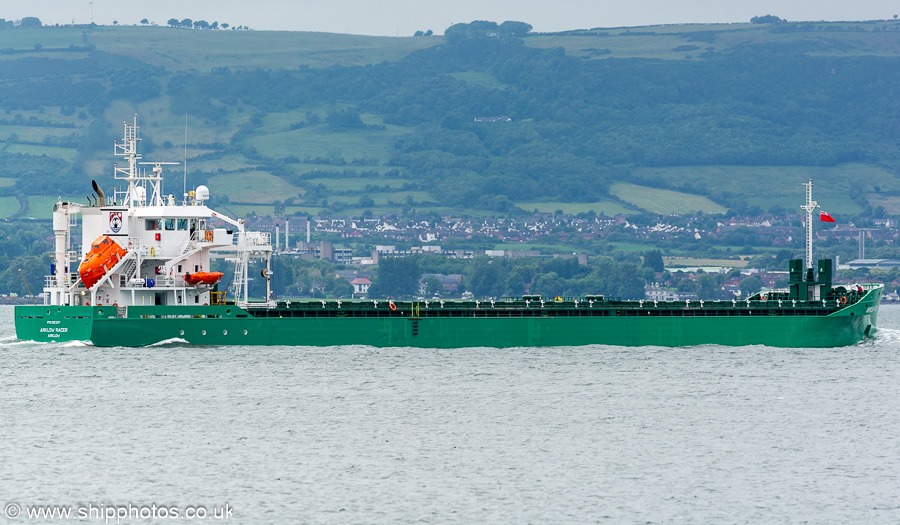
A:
[50, 280]
[158, 281]
[217, 236]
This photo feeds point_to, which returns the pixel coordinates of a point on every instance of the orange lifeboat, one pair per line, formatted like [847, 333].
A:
[104, 254]
[203, 277]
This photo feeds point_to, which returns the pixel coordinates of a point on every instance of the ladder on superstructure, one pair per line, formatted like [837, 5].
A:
[129, 269]
[240, 271]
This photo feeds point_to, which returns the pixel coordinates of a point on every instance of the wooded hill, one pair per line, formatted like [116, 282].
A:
[488, 119]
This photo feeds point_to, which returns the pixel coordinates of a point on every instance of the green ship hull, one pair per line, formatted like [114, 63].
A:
[463, 324]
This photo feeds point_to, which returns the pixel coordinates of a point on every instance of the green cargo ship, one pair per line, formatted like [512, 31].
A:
[143, 280]
[842, 317]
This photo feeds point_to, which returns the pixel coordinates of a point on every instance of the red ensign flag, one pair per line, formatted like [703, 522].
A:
[825, 217]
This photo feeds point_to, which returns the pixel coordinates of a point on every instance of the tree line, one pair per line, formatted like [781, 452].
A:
[196, 24]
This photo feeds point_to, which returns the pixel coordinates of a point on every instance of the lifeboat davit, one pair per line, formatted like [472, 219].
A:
[104, 254]
[203, 277]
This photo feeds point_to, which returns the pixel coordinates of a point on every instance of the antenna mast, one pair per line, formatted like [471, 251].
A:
[810, 207]
[185, 158]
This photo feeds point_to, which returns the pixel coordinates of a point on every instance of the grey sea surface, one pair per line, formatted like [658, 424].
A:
[704, 434]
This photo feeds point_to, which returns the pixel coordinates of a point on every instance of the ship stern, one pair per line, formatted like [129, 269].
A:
[54, 323]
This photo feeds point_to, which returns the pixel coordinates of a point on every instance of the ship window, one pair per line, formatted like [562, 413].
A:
[197, 299]
[153, 224]
[182, 224]
[170, 224]
[179, 268]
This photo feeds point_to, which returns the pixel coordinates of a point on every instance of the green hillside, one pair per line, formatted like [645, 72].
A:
[698, 41]
[177, 49]
[485, 120]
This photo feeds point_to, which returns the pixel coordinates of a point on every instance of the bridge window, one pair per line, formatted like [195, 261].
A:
[170, 224]
[153, 224]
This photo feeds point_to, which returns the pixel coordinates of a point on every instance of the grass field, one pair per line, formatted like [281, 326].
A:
[67, 154]
[40, 207]
[382, 198]
[319, 141]
[157, 123]
[608, 208]
[243, 210]
[662, 42]
[310, 170]
[240, 211]
[53, 116]
[282, 120]
[9, 206]
[891, 204]
[674, 262]
[767, 186]
[663, 201]
[257, 186]
[657, 46]
[277, 140]
[551, 248]
[354, 183]
[450, 211]
[165, 46]
[668, 41]
[34, 133]
[225, 163]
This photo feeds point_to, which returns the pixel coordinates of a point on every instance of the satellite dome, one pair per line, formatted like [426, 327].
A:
[202, 193]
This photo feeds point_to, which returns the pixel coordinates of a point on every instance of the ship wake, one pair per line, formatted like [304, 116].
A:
[72, 344]
[175, 341]
[888, 336]
[12, 341]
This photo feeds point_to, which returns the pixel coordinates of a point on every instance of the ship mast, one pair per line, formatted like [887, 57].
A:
[137, 194]
[810, 207]
[128, 150]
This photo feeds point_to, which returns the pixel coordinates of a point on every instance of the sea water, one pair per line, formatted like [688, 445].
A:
[275, 434]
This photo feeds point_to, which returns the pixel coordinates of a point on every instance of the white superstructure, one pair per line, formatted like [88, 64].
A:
[164, 240]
